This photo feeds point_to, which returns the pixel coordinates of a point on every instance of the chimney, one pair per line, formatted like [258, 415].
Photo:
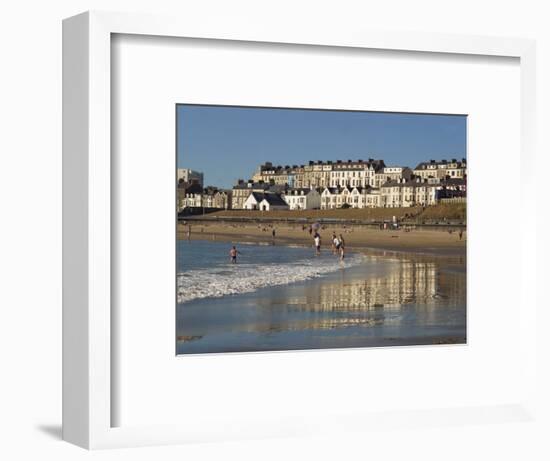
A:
[432, 161]
[453, 160]
[311, 162]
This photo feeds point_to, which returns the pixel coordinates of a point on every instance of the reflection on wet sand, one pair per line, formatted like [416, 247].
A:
[407, 282]
[412, 299]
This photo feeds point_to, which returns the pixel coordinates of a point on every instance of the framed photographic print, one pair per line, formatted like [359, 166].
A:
[319, 254]
[257, 221]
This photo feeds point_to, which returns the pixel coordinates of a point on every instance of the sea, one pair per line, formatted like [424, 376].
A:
[205, 270]
[286, 297]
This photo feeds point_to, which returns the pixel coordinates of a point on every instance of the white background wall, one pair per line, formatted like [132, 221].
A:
[30, 239]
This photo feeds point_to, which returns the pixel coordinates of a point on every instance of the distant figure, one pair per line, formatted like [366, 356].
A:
[273, 233]
[342, 247]
[317, 242]
[233, 254]
[460, 234]
[336, 244]
[310, 229]
[189, 232]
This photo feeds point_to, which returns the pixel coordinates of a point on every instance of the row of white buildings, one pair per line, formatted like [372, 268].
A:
[392, 194]
[354, 173]
[194, 196]
[330, 185]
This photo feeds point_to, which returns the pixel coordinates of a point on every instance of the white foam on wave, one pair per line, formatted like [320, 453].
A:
[244, 278]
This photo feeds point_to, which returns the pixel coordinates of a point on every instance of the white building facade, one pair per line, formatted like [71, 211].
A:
[302, 199]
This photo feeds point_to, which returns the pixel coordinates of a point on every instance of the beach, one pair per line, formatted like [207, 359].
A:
[280, 295]
[357, 237]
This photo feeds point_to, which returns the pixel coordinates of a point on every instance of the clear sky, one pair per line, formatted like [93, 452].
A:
[228, 143]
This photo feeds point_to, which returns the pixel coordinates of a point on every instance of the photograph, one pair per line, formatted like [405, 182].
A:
[304, 229]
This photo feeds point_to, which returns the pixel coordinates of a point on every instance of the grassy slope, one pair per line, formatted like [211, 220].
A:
[455, 211]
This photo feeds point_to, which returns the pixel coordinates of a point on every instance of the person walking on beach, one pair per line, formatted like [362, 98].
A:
[189, 232]
[342, 247]
[460, 234]
[233, 254]
[273, 234]
[317, 242]
[334, 243]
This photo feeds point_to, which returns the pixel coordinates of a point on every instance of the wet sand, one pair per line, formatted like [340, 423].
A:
[434, 242]
[399, 300]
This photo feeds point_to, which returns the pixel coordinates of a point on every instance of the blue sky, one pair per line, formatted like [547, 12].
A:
[228, 143]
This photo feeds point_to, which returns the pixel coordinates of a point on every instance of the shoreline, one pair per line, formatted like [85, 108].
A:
[417, 242]
[390, 302]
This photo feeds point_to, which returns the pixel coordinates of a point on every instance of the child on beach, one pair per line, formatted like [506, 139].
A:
[233, 254]
[317, 242]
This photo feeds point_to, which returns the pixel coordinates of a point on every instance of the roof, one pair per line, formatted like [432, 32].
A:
[332, 190]
[424, 165]
[338, 190]
[258, 196]
[192, 188]
[274, 200]
[415, 183]
[299, 191]
[453, 182]
[256, 185]
[336, 164]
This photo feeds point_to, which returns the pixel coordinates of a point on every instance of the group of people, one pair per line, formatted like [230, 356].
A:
[337, 242]
[338, 246]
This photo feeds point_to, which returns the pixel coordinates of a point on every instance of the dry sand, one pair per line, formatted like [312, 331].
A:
[356, 237]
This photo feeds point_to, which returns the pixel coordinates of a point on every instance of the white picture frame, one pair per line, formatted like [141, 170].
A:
[88, 364]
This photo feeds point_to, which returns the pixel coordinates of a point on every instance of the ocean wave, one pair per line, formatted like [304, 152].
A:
[234, 279]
